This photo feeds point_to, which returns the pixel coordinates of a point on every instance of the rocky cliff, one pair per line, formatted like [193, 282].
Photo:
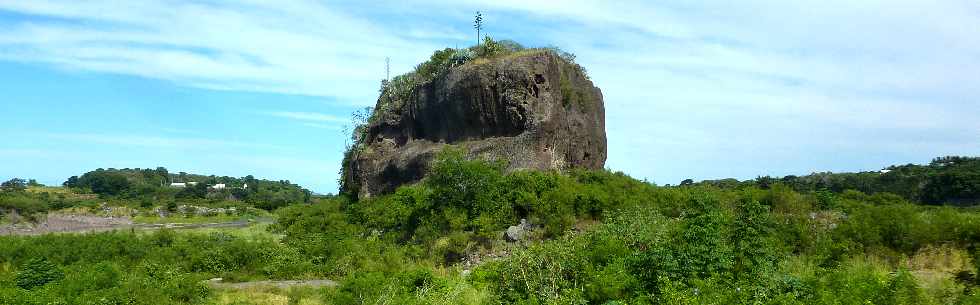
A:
[533, 109]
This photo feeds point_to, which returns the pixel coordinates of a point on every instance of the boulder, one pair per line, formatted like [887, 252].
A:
[514, 233]
[533, 110]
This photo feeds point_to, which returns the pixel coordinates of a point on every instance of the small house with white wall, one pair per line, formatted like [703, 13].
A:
[178, 184]
[218, 186]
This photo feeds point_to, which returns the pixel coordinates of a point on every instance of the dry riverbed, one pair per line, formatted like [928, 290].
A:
[73, 223]
[218, 283]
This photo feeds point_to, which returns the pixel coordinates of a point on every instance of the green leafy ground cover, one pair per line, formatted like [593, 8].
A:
[598, 237]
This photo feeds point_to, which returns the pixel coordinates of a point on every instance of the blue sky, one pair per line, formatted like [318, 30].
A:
[703, 90]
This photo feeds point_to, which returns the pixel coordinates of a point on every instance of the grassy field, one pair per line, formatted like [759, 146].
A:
[268, 296]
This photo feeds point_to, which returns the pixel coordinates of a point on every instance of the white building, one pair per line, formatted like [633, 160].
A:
[218, 186]
[178, 184]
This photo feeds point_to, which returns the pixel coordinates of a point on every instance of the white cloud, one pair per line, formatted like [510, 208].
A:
[312, 119]
[149, 141]
[31, 153]
[294, 47]
[323, 126]
[308, 116]
[705, 83]
[735, 88]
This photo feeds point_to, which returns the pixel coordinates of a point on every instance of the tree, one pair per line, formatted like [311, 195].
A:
[751, 237]
[14, 185]
[489, 48]
[105, 182]
[687, 182]
[199, 190]
[764, 182]
[71, 182]
[478, 25]
[358, 121]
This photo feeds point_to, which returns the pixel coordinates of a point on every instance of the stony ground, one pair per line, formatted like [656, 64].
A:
[73, 223]
[218, 283]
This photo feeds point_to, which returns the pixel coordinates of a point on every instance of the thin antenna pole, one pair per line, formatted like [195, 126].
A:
[388, 68]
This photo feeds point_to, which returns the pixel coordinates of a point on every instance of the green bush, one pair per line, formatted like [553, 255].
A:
[597, 237]
[38, 272]
[23, 203]
[752, 239]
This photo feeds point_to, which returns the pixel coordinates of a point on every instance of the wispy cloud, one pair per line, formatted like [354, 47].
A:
[149, 141]
[756, 82]
[324, 126]
[32, 153]
[307, 116]
[312, 119]
[703, 84]
[295, 47]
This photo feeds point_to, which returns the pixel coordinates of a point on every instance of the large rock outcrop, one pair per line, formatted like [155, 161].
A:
[534, 110]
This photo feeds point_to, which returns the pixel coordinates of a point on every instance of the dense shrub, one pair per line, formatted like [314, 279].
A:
[38, 272]
[596, 237]
[128, 268]
[946, 180]
[22, 203]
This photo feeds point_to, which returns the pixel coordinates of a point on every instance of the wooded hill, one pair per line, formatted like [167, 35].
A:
[946, 180]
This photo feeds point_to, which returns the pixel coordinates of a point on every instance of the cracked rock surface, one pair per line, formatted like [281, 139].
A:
[534, 111]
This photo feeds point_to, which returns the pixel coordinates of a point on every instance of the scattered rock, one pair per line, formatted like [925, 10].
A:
[201, 211]
[161, 212]
[106, 209]
[526, 225]
[55, 223]
[514, 233]
[278, 284]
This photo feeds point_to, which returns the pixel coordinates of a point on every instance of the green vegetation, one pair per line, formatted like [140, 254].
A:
[155, 184]
[946, 180]
[595, 237]
[604, 238]
[143, 193]
[130, 268]
[13, 185]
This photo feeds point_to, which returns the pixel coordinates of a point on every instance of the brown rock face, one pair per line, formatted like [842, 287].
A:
[534, 110]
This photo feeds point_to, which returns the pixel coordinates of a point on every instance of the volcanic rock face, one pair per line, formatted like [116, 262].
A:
[534, 110]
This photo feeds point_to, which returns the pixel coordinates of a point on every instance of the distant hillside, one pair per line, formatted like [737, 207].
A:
[155, 184]
[946, 180]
